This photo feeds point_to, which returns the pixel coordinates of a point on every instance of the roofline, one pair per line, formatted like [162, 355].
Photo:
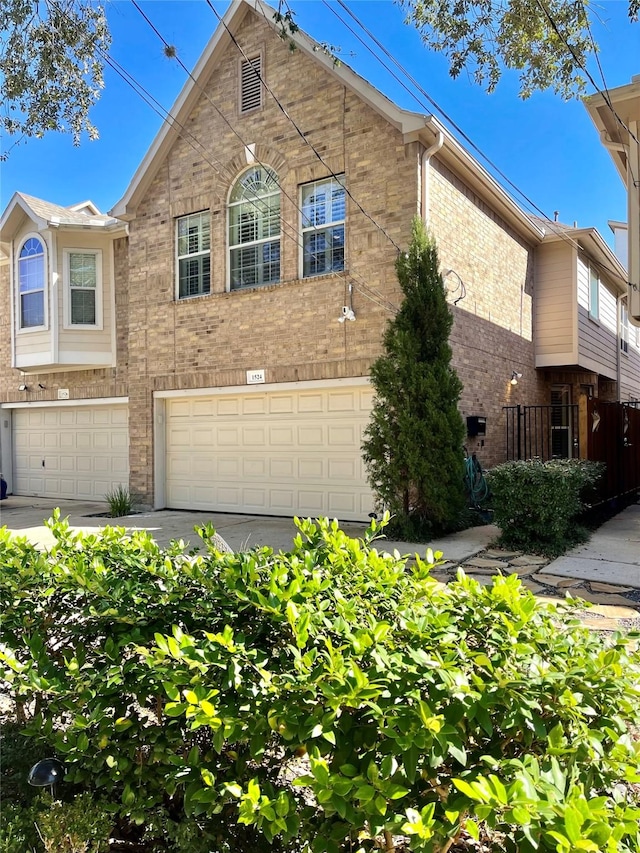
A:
[413, 126]
[625, 99]
[404, 120]
[454, 155]
[109, 226]
[601, 251]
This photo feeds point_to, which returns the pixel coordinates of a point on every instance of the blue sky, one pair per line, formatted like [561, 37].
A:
[547, 147]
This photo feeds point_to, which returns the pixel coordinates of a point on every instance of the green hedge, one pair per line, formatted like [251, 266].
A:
[537, 504]
[331, 699]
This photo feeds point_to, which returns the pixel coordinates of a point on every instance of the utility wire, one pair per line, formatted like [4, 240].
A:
[294, 202]
[300, 133]
[561, 232]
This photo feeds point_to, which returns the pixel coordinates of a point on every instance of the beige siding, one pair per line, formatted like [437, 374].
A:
[555, 324]
[598, 346]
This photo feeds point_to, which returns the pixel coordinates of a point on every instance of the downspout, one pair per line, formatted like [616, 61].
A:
[619, 348]
[426, 156]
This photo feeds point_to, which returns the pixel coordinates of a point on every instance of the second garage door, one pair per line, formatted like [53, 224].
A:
[76, 452]
[271, 453]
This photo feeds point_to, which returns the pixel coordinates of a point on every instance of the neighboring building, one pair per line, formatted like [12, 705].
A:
[616, 115]
[198, 342]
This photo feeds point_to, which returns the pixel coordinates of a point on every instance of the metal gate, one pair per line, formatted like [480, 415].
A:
[542, 432]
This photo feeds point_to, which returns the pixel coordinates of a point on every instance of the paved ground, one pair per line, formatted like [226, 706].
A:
[605, 571]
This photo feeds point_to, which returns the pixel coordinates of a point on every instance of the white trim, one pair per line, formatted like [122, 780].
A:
[66, 290]
[65, 404]
[46, 291]
[262, 389]
[112, 300]
[159, 452]
[12, 302]
[177, 256]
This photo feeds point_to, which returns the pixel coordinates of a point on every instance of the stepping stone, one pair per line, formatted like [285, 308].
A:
[529, 560]
[535, 588]
[499, 554]
[484, 580]
[554, 580]
[469, 568]
[596, 586]
[522, 571]
[604, 598]
[486, 563]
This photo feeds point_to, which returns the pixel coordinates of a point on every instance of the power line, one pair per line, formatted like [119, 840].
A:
[582, 66]
[448, 118]
[244, 143]
[300, 133]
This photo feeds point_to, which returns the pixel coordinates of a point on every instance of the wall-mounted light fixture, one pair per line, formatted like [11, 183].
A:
[515, 376]
[23, 387]
[42, 387]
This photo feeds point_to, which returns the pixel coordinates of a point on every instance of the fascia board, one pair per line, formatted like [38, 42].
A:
[15, 211]
[597, 250]
[404, 120]
[125, 208]
[475, 176]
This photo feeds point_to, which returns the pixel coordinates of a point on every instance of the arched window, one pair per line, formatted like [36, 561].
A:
[254, 229]
[31, 278]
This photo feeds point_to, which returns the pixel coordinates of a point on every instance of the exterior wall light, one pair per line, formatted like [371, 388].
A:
[515, 376]
[23, 387]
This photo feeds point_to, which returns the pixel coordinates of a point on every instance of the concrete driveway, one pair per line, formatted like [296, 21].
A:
[25, 516]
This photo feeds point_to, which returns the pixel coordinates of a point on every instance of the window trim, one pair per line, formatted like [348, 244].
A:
[340, 180]
[624, 329]
[25, 330]
[593, 274]
[66, 299]
[178, 257]
[260, 241]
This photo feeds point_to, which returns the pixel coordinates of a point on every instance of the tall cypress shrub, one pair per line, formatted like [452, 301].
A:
[413, 443]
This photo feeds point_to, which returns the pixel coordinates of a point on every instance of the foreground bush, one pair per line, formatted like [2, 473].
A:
[537, 504]
[330, 699]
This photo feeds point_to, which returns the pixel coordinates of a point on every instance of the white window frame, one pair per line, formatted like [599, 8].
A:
[25, 330]
[201, 253]
[308, 227]
[594, 291]
[254, 201]
[67, 301]
[624, 329]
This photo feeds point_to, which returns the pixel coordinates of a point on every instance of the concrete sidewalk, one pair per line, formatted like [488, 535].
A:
[605, 571]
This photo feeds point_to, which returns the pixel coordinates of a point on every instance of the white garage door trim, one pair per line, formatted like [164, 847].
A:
[258, 451]
[84, 445]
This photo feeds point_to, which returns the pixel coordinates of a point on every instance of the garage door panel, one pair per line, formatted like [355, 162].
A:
[84, 449]
[281, 469]
[281, 453]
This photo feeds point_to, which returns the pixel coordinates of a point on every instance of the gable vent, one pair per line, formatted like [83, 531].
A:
[251, 96]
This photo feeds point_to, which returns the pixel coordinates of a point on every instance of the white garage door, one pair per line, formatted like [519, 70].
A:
[75, 452]
[270, 453]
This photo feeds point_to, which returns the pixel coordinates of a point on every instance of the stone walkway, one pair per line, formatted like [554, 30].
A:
[613, 606]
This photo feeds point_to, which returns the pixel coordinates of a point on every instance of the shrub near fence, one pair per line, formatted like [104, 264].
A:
[537, 504]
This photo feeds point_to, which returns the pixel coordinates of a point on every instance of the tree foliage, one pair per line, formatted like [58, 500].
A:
[322, 700]
[413, 443]
[548, 42]
[50, 66]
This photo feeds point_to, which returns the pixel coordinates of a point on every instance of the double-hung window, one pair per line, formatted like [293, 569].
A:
[254, 229]
[193, 239]
[31, 281]
[323, 215]
[83, 274]
[594, 294]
